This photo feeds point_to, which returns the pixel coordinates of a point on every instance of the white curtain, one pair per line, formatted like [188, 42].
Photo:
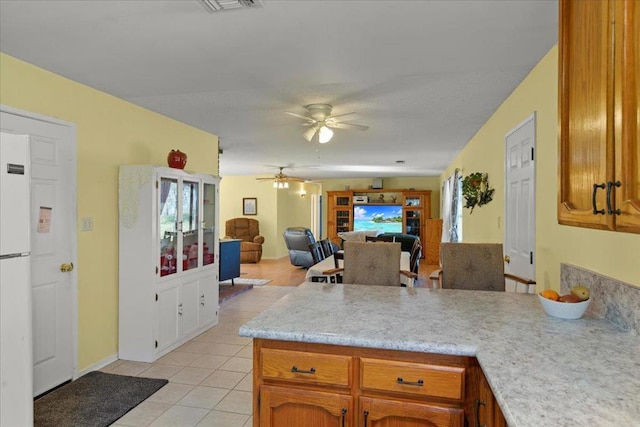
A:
[451, 208]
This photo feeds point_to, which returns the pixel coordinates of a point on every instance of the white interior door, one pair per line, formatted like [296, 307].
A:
[53, 245]
[520, 209]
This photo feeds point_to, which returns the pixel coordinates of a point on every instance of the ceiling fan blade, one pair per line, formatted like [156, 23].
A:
[345, 117]
[308, 119]
[349, 126]
[294, 179]
[310, 133]
[265, 179]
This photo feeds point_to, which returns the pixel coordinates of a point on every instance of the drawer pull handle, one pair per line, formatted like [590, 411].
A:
[418, 383]
[596, 211]
[302, 371]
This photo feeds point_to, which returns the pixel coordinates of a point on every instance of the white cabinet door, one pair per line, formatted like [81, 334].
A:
[168, 323]
[208, 306]
[189, 307]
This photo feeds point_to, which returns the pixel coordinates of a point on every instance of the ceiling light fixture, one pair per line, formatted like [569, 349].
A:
[324, 134]
[280, 184]
[213, 6]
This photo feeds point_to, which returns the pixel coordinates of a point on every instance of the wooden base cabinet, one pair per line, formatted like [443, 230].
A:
[281, 406]
[301, 384]
[393, 413]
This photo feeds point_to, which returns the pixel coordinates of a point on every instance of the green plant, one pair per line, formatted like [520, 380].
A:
[476, 190]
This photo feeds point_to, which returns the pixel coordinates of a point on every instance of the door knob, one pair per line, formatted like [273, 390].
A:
[507, 259]
[65, 268]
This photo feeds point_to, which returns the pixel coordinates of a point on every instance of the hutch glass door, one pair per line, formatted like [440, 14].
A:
[168, 223]
[190, 224]
[208, 223]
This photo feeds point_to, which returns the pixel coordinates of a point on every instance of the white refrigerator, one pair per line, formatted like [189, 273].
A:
[16, 367]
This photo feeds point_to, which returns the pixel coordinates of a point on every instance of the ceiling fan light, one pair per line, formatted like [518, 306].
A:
[325, 135]
[309, 133]
[286, 184]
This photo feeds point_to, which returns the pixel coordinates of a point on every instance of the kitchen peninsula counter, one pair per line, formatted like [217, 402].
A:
[543, 371]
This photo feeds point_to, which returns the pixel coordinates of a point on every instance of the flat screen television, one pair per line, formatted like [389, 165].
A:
[385, 218]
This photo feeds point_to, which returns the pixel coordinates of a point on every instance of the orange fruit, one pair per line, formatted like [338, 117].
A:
[550, 294]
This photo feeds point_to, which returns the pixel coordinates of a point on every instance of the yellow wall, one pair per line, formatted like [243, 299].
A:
[277, 209]
[110, 132]
[609, 253]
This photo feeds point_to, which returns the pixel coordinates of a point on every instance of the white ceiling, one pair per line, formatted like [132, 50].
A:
[424, 75]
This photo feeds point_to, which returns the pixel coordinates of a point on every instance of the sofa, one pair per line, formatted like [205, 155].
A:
[247, 230]
[298, 240]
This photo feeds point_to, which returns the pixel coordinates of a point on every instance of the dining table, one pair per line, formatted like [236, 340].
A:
[317, 270]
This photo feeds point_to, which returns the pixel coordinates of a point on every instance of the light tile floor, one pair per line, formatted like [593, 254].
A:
[210, 377]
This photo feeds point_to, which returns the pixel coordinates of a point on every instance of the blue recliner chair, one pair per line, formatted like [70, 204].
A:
[298, 240]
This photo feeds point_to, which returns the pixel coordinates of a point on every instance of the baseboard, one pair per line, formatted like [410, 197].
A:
[97, 366]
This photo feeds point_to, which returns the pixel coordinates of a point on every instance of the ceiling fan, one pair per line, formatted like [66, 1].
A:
[321, 122]
[280, 180]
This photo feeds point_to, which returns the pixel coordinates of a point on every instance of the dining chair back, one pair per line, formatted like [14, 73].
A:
[372, 263]
[316, 252]
[327, 247]
[474, 266]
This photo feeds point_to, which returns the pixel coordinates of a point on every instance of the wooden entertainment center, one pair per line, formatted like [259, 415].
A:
[416, 214]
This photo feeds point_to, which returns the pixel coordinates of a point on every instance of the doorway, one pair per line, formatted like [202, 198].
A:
[54, 247]
[520, 202]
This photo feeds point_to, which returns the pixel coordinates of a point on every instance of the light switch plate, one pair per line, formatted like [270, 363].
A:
[87, 223]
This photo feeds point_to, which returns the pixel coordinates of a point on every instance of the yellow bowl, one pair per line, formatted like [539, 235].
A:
[564, 310]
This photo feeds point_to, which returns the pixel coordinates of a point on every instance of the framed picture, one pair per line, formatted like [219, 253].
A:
[249, 206]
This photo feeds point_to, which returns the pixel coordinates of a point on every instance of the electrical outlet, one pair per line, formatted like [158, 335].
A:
[87, 224]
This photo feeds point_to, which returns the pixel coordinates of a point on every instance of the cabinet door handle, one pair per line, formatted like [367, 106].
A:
[180, 309]
[418, 383]
[366, 415]
[344, 412]
[478, 404]
[593, 199]
[610, 185]
[302, 371]
[202, 299]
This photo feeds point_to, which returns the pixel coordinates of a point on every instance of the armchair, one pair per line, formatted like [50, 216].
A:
[298, 240]
[247, 230]
[473, 266]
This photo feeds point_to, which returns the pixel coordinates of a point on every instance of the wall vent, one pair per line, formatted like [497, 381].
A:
[213, 6]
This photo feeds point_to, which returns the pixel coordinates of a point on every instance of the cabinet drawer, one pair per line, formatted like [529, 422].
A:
[306, 367]
[412, 378]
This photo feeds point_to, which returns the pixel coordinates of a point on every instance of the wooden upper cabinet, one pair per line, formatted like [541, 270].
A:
[598, 115]
[627, 115]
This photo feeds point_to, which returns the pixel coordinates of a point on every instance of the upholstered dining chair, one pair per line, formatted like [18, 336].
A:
[371, 263]
[474, 266]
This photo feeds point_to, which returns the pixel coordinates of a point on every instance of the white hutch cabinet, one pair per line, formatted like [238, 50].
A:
[168, 257]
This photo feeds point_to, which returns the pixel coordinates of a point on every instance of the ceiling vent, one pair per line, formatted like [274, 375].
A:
[213, 6]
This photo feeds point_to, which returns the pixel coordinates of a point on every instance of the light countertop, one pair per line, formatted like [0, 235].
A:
[543, 371]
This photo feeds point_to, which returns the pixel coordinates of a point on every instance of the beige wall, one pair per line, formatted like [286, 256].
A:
[610, 253]
[110, 132]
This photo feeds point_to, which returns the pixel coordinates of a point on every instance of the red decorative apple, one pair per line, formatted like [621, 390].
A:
[177, 159]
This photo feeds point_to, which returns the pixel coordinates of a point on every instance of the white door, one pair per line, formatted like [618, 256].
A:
[520, 209]
[53, 245]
